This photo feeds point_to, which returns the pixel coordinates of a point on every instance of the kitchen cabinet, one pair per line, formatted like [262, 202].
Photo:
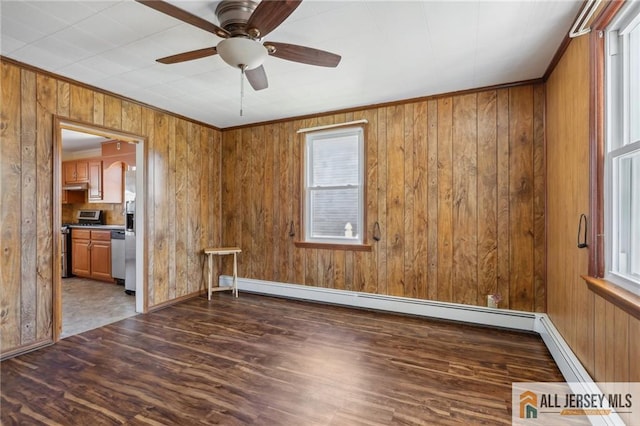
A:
[80, 255]
[95, 181]
[101, 259]
[113, 182]
[105, 184]
[91, 253]
[71, 197]
[75, 171]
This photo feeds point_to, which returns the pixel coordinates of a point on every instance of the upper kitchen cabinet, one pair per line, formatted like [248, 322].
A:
[75, 171]
[104, 179]
[72, 197]
[112, 181]
[95, 181]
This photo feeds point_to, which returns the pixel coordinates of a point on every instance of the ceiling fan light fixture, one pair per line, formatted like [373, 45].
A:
[242, 52]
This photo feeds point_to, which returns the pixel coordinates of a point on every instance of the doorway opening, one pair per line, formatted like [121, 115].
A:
[106, 202]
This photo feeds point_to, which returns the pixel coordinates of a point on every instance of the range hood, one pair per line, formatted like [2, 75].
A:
[82, 186]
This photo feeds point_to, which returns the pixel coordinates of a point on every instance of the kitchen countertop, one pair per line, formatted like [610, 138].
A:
[106, 227]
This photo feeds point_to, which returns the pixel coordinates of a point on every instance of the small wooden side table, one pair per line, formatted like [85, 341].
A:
[222, 251]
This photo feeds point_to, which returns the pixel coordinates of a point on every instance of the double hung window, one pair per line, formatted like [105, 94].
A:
[622, 149]
[334, 186]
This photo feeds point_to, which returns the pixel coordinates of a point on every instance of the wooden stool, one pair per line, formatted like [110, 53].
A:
[221, 251]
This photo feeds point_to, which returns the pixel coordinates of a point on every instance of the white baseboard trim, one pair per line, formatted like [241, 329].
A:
[567, 362]
[448, 311]
[571, 368]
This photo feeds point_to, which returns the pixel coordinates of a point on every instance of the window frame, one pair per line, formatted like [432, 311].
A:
[617, 143]
[338, 243]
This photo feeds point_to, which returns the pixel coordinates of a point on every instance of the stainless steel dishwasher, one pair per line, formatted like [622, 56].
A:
[117, 256]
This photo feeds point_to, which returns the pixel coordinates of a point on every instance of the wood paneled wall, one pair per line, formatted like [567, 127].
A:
[456, 183]
[182, 196]
[605, 338]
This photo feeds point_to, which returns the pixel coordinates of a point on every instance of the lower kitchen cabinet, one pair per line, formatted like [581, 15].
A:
[91, 253]
[80, 258]
[101, 259]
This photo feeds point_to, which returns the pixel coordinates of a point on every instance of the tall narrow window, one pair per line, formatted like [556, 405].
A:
[622, 161]
[334, 186]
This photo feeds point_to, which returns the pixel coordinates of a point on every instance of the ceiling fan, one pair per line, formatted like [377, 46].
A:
[243, 24]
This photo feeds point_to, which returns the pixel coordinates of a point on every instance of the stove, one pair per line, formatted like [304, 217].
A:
[90, 217]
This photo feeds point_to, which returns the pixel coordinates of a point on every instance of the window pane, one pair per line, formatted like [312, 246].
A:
[628, 208]
[622, 165]
[331, 210]
[634, 85]
[335, 161]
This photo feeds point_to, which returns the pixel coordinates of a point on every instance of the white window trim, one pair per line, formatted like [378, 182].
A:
[618, 141]
[359, 239]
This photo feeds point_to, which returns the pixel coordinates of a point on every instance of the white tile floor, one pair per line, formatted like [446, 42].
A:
[89, 304]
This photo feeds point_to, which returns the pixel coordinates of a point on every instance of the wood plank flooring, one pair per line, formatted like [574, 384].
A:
[267, 361]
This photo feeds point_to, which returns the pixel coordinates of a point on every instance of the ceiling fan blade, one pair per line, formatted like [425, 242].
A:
[184, 16]
[188, 56]
[257, 78]
[303, 54]
[268, 15]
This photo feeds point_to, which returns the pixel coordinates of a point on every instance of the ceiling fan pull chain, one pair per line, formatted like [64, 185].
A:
[242, 67]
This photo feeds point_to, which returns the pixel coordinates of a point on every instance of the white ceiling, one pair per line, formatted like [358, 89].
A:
[391, 50]
[73, 141]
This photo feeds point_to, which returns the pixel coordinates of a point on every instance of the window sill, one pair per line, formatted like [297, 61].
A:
[329, 246]
[625, 300]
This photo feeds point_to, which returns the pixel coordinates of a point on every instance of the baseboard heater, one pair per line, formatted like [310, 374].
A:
[568, 364]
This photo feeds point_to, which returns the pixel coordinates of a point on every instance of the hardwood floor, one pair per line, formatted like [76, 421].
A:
[267, 361]
[89, 304]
